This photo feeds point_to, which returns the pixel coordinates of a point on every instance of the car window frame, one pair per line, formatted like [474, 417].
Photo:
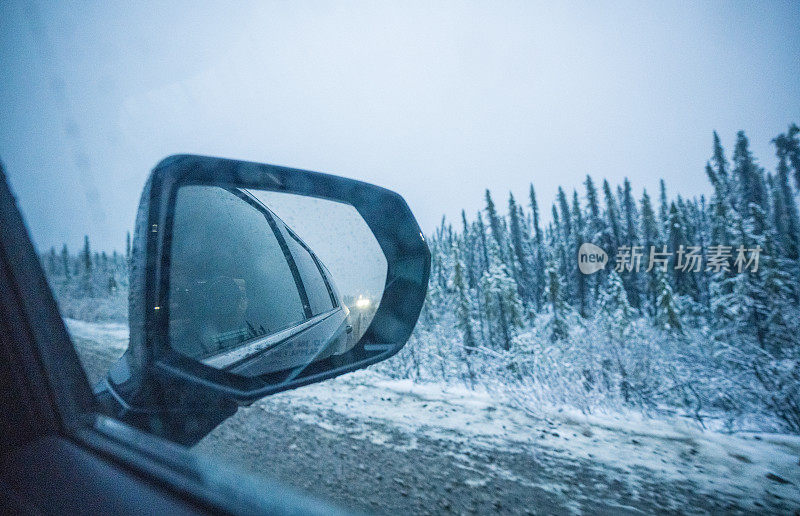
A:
[287, 253]
[322, 270]
[272, 222]
[316, 266]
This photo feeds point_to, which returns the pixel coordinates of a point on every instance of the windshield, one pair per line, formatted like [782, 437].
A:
[610, 194]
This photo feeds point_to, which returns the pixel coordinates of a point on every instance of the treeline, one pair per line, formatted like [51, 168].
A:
[89, 285]
[512, 287]
[516, 268]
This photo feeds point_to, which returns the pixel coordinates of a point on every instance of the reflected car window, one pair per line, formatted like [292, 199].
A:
[319, 295]
[226, 287]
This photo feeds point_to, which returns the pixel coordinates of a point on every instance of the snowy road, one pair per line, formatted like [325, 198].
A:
[388, 446]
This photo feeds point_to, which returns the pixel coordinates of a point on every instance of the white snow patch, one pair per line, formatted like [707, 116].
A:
[109, 335]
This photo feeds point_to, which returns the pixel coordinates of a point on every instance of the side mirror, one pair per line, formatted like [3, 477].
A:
[250, 279]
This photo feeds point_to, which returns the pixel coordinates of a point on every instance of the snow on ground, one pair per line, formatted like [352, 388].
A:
[113, 336]
[744, 467]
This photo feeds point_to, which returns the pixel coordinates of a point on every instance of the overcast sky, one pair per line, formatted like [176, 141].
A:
[436, 100]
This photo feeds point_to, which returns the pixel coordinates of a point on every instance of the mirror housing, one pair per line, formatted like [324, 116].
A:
[164, 392]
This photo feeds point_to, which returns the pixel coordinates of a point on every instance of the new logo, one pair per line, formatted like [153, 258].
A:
[591, 258]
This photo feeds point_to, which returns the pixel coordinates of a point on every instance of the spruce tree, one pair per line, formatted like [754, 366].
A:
[592, 202]
[496, 226]
[702, 238]
[469, 250]
[612, 238]
[621, 203]
[578, 239]
[537, 230]
[690, 218]
[501, 299]
[521, 260]
[616, 314]
[722, 216]
[559, 328]
[666, 312]
[678, 243]
[595, 232]
[650, 238]
[629, 208]
[87, 256]
[749, 177]
[720, 169]
[65, 262]
[788, 145]
[482, 265]
[565, 214]
[725, 220]
[538, 272]
[484, 244]
[712, 175]
[663, 204]
[559, 246]
[780, 311]
[793, 150]
[650, 233]
[612, 214]
[556, 221]
[739, 298]
[463, 309]
[630, 278]
[786, 216]
[614, 308]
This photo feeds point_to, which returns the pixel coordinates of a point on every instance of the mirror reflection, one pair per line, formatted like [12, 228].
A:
[261, 282]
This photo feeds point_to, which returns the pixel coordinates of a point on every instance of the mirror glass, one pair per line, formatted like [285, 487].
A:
[262, 282]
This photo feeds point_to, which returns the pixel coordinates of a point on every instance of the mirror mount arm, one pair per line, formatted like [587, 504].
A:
[190, 415]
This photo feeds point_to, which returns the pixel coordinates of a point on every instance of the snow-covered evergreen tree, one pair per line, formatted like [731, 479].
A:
[519, 251]
[558, 324]
[502, 304]
[463, 305]
[787, 145]
[614, 308]
[666, 312]
[537, 254]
